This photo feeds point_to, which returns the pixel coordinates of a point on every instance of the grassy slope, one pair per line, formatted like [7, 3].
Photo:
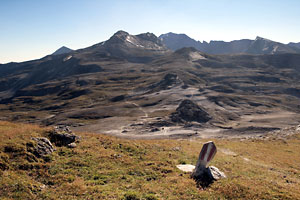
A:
[103, 167]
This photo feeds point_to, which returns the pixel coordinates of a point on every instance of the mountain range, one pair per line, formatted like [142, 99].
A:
[130, 85]
[258, 46]
[175, 41]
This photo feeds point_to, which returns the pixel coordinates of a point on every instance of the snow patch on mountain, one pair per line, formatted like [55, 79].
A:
[133, 41]
[196, 56]
[67, 58]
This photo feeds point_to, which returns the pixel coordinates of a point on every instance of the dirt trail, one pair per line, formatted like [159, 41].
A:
[140, 108]
[122, 129]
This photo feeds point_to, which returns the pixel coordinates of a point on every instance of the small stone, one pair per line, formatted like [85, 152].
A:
[176, 148]
[72, 145]
[42, 186]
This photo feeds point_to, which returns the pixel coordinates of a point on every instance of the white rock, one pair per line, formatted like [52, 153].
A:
[186, 167]
[72, 145]
[216, 173]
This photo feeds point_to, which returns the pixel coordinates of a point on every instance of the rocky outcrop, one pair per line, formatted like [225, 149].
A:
[168, 81]
[41, 147]
[188, 111]
[62, 136]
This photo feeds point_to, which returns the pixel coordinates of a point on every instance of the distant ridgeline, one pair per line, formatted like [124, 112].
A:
[258, 46]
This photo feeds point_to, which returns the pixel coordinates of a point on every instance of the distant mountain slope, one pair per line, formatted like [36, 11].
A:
[177, 41]
[264, 46]
[62, 50]
[121, 47]
[257, 46]
[296, 45]
[134, 48]
[221, 47]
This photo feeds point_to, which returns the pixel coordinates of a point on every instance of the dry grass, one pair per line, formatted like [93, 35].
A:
[103, 167]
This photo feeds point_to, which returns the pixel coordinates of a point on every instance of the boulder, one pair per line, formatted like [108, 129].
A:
[42, 147]
[188, 111]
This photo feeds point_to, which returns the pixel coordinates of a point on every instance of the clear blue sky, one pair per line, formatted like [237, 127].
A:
[31, 29]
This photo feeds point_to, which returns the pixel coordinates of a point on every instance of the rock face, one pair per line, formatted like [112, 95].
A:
[189, 111]
[43, 147]
[62, 136]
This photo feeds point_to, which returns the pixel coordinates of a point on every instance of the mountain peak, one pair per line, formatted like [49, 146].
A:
[175, 36]
[135, 48]
[62, 50]
[258, 38]
[143, 40]
[150, 37]
[176, 41]
[120, 33]
[147, 35]
[119, 36]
